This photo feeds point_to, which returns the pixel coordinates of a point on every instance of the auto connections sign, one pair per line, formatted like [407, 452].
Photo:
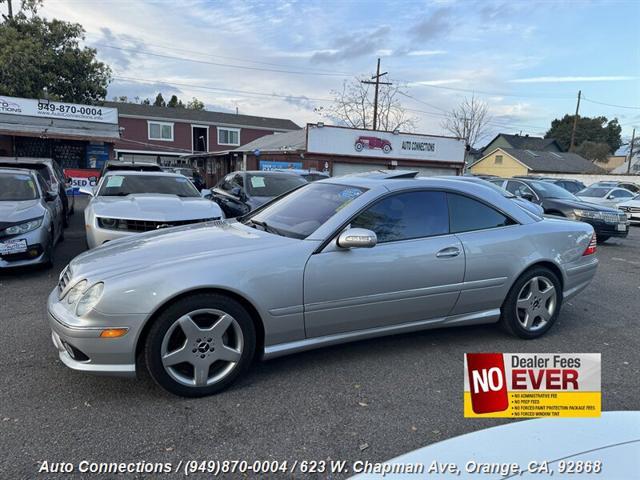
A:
[331, 140]
[51, 109]
[528, 385]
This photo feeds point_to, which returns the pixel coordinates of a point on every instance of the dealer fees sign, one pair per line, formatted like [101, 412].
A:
[528, 385]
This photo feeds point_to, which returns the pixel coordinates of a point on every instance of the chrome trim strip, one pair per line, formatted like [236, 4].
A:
[278, 350]
[82, 329]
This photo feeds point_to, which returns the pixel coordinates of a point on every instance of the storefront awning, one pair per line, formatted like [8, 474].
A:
[57, 128]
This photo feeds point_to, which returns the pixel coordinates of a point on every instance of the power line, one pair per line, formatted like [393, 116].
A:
[609, 104]
[220, 64]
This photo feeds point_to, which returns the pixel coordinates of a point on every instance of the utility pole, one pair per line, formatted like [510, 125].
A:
[377, 83]
[575, 123]
[9, 9]
[633, 139]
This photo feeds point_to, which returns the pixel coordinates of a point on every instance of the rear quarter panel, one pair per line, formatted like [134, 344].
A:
[496, 258]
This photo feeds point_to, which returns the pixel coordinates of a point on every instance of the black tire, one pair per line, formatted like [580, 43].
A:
[154, 339]
[602, 238]
[509, 318]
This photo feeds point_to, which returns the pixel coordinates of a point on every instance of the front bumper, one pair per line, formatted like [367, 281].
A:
[37, 242]
[97, 236]
[80, 346]
[608, 229]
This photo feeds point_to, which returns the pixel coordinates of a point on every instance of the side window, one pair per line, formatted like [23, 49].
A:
[467, 214]
[238, 181]
[405, 216]
[44, 188]
[227, 183]
[621, 194]
[519, 189]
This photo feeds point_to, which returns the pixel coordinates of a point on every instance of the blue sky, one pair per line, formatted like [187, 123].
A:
[526, 59]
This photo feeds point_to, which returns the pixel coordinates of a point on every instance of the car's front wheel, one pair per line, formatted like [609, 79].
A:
[200, 344]
[533, 304]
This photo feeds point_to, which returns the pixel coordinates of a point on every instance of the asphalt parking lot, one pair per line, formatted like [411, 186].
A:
[371, 400]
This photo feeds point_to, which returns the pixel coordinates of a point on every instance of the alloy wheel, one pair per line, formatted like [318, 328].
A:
[202, 347]
[536, 304]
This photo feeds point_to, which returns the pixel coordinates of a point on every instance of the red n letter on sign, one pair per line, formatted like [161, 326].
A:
[487, 382]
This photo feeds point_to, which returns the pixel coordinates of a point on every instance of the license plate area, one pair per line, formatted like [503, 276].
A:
[621, 227]
[9, 247]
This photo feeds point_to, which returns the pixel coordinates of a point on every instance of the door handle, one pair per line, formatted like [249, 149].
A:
[448, 252]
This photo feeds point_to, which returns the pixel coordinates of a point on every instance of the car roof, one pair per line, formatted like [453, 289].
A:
[27, 160]
[265, 172]
[25, 171]
[138, 172]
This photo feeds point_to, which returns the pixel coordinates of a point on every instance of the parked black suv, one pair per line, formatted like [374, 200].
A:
[555, 200]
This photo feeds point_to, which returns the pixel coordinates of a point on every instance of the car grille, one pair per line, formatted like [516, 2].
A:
[149, 225]
[614, 217]
[632, 209]
[63, 282]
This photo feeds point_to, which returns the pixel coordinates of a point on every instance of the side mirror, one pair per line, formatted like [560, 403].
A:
[205, 193]
[236, 192]
[610, 197]
[528, 196]
[87, 191]
[50, 195]
[357, 238]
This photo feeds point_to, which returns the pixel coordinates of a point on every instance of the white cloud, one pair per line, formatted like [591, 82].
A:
[445, 81]
[551, 79]
[424, 53]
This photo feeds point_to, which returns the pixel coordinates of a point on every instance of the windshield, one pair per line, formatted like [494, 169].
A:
[120, 185]
[272, 185]
[302, 212]
[17, 187]
[598, 192]
[550, 190]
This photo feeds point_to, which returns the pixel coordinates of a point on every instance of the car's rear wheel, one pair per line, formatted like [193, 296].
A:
[533, 304]
[200, 345]
[602, 238]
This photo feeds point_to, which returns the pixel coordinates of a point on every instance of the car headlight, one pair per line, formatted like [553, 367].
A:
[24, 227]
[587, 214]
[90, 298]
[109, 223]
[76, 292]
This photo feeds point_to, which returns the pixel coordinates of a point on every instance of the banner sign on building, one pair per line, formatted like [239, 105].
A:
[274, 165]
[51, 109]
[528, 385]
[331, 140]
[81, 177]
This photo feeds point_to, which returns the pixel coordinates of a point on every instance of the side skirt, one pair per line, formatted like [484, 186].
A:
[476, 318]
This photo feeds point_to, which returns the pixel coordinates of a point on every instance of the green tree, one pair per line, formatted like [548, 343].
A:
[159, 101]
[595, 130]
[174, 102]
[593, 151]
[41, 58]
[195, 104]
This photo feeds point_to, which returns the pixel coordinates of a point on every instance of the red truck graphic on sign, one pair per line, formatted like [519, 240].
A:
[372, 143]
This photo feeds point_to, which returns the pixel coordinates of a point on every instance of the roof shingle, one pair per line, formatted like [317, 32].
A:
[554, 162]
[186, 114]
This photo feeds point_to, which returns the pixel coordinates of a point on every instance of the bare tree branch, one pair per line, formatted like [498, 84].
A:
[469, 120]
[353, 107]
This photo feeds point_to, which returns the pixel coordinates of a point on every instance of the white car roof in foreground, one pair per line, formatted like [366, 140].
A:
[611, 439]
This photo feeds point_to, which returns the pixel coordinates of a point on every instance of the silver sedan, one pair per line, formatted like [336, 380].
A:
[334, 261]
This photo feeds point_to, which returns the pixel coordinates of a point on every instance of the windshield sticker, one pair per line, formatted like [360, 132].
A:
[257, 182]
[115, 181]
[350, 193]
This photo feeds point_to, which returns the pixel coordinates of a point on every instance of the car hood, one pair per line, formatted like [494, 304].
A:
[13, 212]
[197, 243]
[630, 203]
[581, 204]
[155, 207]
[597, 200]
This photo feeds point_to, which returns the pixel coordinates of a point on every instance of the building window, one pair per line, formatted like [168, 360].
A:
[498, 159]
[160, 131]
[228, 136]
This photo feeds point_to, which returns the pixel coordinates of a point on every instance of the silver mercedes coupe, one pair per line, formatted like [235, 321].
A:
[334, 261]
